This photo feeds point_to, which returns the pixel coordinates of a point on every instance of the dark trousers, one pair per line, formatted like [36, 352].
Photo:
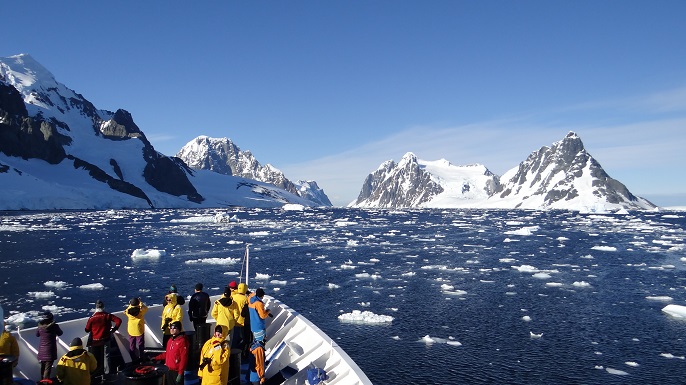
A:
[45, 369]
[170, 377]
[102, 356]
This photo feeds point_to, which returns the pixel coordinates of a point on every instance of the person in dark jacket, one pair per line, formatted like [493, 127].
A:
[198, 306]
[175, 356]
[100, 327]
[48, 330]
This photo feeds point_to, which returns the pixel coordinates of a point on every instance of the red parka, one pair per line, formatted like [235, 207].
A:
[176, 355]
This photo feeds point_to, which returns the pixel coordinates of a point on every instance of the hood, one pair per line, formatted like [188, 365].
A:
[133, 310]
[242, 288]
[45, 323]
[75, 352]
[173, 298]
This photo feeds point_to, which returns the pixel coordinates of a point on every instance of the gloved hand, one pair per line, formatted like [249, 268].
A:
[179, 378]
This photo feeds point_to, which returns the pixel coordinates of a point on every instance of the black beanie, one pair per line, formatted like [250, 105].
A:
[76, 342]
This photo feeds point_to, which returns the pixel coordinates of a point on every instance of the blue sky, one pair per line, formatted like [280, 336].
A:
[328, 90]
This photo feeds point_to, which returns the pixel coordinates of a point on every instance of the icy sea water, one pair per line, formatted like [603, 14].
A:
[478, 297]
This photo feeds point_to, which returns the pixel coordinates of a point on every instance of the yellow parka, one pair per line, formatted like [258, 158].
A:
[172, 311]
[240, 301]
[216, 372]
[75, 367]
[224, 314]
[9, 346]
[136, 325]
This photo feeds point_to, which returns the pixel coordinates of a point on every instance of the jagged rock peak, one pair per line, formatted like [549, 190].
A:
[221, 155]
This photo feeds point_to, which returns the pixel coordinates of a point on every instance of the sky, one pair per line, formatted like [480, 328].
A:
[328, 90]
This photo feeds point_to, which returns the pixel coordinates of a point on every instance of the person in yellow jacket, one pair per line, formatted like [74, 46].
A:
[136, 328]
[75, 367]
[171, 313]
[240, 312]
[223, 313]
[9, 346]
[214, 359]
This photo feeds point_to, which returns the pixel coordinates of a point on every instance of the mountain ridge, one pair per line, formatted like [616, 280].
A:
[562, 176]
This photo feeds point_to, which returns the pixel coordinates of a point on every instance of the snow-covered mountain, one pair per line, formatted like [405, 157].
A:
[563, 176]
[221, 155]
[57, 151]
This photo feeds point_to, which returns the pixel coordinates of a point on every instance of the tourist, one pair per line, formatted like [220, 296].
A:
[48, 330]
[223, 313]
[136, 328]
[8, 344]
[257, 362]
[100, 327]
[198, 306]
[175, 356]
[171, 313]
[240, 304]
[214, 359]
[257, 315]
[180, 300]
[76, 367]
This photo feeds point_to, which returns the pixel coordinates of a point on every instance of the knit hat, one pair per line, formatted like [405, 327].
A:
[47, 315]
[76, 342]
[99, 304]
[227, 291]
[176, 324]
[172, 289]
[198, 286]
[233, 285]
[134, 302]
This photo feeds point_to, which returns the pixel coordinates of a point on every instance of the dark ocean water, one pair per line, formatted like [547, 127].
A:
[478, 283]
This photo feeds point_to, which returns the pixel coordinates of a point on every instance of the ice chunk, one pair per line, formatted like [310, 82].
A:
[92, 286]
[365, 317]
[678, 311]
[148, 253]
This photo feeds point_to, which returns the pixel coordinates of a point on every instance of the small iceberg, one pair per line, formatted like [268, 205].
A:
[148, 254]
[366, 317]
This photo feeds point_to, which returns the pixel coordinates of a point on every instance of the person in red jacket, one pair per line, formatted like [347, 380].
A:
[175, 356]
[100, 327]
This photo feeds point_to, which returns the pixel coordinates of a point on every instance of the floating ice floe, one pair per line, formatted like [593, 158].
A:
[148, 254]
[41, 294]
[581, 284]
[632, 363]
[278, 282]
[214, 261]
[409, 274]
[526, 269]
[333, 286]
[262, 276]
[526, 318]
[351, 243]
[529, 230]
[55, 284]
[604, 248]
[534, 335]
[554, 284]
[541, 275]
[427, 339]
[292, 207]
[616, 372]
[92, 286]
[365, 317]
[662, 298]
[259, 233]
[671, 356]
